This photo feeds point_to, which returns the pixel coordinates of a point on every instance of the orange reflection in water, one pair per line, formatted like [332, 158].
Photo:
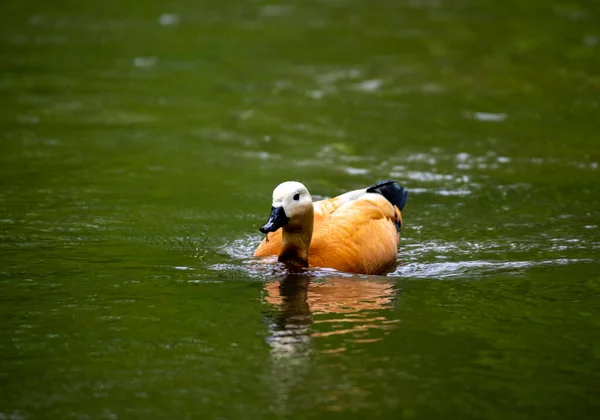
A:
[335, 294]
[303, 301]
[335, 312]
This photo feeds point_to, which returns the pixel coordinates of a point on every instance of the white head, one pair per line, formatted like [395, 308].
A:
[290, 200]
[293, 197]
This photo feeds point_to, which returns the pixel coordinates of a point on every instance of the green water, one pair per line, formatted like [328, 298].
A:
[140, 143]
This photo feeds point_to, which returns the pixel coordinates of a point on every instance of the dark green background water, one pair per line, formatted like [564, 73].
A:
[140, 144]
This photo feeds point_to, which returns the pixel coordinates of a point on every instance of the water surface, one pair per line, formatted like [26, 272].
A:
[140, 144]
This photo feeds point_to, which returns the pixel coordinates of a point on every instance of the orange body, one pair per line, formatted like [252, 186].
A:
[354, 232]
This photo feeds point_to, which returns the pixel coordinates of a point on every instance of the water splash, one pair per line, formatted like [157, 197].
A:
[472, 269]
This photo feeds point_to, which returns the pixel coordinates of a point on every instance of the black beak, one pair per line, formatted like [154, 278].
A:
[276, 220]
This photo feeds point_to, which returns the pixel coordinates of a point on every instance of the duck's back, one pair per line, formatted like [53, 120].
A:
[360, 236]
[355, 232]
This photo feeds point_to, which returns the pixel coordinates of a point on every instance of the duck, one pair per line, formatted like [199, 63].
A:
[356, 232]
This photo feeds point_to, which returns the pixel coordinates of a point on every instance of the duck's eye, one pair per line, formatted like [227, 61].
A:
[296, 197]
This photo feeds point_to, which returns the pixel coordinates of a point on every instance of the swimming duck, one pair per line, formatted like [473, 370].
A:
[356, 232]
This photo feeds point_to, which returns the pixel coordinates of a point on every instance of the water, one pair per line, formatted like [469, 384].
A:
[140, 146]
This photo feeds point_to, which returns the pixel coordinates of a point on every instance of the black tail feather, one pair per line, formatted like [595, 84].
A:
[393, 192]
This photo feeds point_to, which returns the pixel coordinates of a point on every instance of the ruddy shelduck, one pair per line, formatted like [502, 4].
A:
[356, 232]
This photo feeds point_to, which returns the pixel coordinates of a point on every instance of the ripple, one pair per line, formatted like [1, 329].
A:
[145, 62]
[369, 85]
[276, 10]
[241, 248]
[486, 116]
[415, 258]
[355, 171]
[446, 270]
[169, 19]
[440, 191]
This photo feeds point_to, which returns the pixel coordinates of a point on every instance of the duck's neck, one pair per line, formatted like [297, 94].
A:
[297, 235]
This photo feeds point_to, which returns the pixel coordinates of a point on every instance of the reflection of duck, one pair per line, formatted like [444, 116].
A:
[290, 326]
[300, 299]
[356, 232]
[332, 295]
[353, 307]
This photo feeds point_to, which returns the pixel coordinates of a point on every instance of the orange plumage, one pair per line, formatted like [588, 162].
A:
[356, 232]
